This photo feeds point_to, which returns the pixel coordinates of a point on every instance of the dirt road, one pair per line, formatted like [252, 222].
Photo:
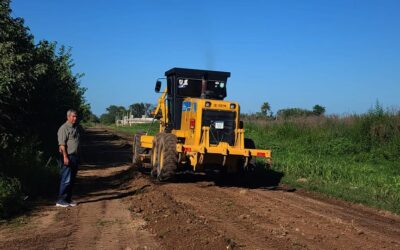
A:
[122, 208]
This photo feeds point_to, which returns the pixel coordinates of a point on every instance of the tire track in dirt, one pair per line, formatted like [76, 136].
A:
[258, 219]
[360, 218]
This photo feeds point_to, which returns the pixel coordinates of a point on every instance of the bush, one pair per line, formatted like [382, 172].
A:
[37, 87]
[25, 171]
[11, 197]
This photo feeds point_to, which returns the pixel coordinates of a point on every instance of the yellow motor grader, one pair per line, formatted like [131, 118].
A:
[198, 128]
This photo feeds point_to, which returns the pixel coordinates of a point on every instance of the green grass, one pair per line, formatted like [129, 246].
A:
[17, 222]
[152, 129]
[11, 197]
[25, 176]
[355, 158]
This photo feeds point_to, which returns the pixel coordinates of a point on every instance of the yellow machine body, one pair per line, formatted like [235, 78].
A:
[194, 146]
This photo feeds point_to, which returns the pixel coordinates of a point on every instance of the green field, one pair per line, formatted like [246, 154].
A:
[356, 158]
[131, 130]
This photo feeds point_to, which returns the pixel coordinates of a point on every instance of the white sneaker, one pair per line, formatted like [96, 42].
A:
[62, 204]
[73, 204]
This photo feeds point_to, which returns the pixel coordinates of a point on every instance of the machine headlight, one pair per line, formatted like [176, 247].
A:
[233, 106]
[208, 104]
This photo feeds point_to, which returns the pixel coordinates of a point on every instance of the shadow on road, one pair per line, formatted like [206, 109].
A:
[101, 152]
[115, 195]
[260, 178]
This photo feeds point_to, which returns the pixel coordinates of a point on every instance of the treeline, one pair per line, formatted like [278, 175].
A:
[114, 112]
[266, 112]
[37, 87]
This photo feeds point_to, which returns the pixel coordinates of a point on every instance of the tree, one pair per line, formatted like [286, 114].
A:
[116, 111]
[265, 109]
[137, 109]
[140, 109]
[93, 118]
[37, 87]
[113, 112]
[318, 110]
[297, 112]
[292, 112]
[106, 118]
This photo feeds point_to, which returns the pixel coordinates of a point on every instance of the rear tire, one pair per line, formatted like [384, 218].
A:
[167, 157]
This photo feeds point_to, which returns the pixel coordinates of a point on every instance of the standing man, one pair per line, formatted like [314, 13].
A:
[68, 141]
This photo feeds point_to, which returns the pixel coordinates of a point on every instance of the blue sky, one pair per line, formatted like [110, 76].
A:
[343, 55]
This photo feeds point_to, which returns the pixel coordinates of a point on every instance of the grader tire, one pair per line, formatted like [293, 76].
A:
[137, 150]
[154, 154]
[167, 157]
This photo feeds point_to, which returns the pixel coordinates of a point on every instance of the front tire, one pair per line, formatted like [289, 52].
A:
[154, 154]
[167, 157]
[137, 150]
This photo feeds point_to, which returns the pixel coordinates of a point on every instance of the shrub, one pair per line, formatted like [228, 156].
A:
[11, 197]
[37, 87]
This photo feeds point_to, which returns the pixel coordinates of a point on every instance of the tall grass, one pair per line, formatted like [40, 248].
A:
[25, 175]
[355, 157]
[11, 197]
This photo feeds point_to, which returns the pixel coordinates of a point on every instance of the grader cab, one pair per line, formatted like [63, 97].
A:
[198, 128]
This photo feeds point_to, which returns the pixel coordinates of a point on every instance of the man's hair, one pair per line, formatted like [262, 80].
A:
[71, 111]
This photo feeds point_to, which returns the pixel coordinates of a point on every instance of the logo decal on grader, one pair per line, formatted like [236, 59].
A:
[186, 106]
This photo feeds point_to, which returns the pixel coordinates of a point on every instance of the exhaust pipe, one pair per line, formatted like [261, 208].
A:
[203, 87]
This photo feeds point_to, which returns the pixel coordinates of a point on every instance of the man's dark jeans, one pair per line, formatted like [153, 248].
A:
[68, 176]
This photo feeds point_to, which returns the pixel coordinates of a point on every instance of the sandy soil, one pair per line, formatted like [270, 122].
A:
[121, 207]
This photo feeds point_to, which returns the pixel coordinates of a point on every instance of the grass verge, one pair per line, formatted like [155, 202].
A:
[152, 129]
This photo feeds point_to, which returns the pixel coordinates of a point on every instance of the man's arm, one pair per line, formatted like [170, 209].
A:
[62, 139]
[64, 152]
